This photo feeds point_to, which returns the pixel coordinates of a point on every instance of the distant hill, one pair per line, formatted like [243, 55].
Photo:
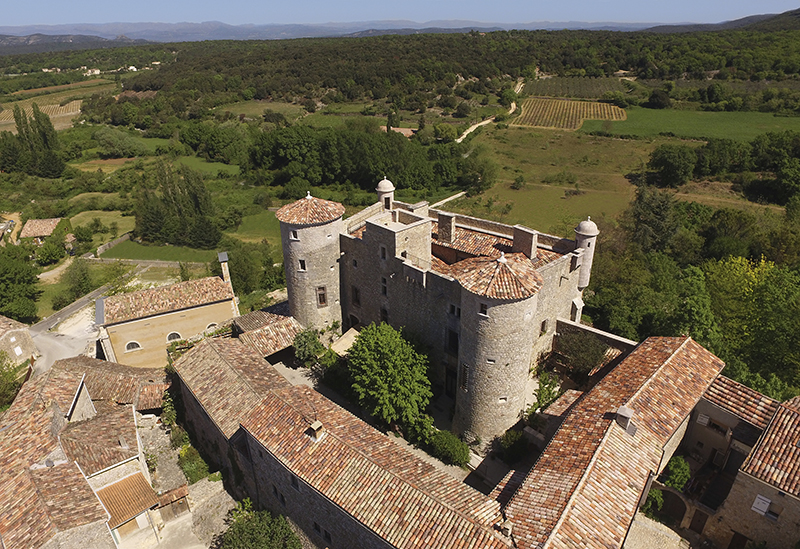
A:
[38, 43]
[744, 22]
[789, 20]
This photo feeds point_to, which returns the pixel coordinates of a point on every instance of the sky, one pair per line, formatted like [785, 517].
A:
[235, 12]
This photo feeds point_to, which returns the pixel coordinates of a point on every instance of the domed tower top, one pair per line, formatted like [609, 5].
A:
[508, 277]
[587, 228]
[385, 190]
[310, 211]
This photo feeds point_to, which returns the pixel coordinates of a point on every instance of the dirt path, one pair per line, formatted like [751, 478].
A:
[517, 88]
[51, 277]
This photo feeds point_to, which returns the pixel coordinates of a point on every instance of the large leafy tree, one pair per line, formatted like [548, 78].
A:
[389, 376]
[18, 283]
[258, 530]
[673, 165]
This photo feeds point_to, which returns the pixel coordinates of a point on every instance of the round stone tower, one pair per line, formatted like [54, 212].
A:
[586, 237]
[310, 229]
[498, 304]
[385, 190]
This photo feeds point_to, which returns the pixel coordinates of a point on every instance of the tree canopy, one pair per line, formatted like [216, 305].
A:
[250, 529]
[389, 376]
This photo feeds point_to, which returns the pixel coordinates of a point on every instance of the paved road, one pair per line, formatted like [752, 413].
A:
[55, 346]
[51, 321]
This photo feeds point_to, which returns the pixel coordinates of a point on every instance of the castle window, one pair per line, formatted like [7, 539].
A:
[302, 264]
[387, 202]
[543, 329]
[383, 252]
[295, 483]
[132, 346]
[484, 309]
[452, 342]
[463, 377]
[355, 263]
[293, 235]
[384, 289]
[174, 336]
[317, 528]
[502, 400]
[490, 361]
[355, 296]
[327, 536]
[322, 297]
[455, 311]
[384, 315]
[211, 326]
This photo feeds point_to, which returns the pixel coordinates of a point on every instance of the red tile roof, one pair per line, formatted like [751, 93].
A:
[173, 495]
[405, 501]
[473, 242]
[776, 458]
[741, 401]
[273, 337]
[310, 211]
[109, 380]
[127, 498]
[68, 498]
[563, 403]
[174, 297]
[151, 396]
[228, 379]
[585, 488]
[39, 227]
[102, 441]
[511, 276]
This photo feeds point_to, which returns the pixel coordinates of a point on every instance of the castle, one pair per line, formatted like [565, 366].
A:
[483, 296]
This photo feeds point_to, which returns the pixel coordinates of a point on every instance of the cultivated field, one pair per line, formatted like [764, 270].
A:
[572, 86]
[566, 115]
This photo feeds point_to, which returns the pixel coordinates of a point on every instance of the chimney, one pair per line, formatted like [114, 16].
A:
[506, 528]
[223, 263]
[625, 420]
[525, 241]
[317, 431]
[447, 227]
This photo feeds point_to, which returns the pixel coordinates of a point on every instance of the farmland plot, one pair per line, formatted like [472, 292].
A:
[563, 114]
[573, 86]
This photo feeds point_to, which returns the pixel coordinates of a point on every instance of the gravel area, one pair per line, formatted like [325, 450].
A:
[155, 440]
[209, 503]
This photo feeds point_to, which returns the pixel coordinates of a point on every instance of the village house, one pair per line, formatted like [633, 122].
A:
[39, 229]
[72, 468]
[137, 327]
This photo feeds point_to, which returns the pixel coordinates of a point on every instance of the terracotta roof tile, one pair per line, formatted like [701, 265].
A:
[151, 396]
[511, 276]
[776, 458]
[39, 227]
[399, 497]
[563, 403]
[173, 495]
[228, 379]
[174, 297]
[68, 498]
[743, 402]
[273, 337]
[473, 242]
[584, 489]
[109, 380]
[309, 211]
[127, 498]
[102, 441]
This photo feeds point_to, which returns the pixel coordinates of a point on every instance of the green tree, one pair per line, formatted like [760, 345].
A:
[307, 346]
[9, 381]
[250, 529]
[583, 352]
[50, 252]
[678, 473]
[672, 165]
[18, 284]
[78, 279]
[651, 219]
[389, 376]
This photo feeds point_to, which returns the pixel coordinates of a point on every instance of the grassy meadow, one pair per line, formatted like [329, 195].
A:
[134, 250]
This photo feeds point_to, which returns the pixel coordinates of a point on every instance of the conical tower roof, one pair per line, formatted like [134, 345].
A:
[310, 211]
[511, 276]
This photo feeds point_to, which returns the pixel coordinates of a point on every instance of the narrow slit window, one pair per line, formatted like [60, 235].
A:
[302, 265]
[484, 309]
[322, 296]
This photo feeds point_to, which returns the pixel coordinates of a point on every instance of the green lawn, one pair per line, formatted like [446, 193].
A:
[133, 250]
[201, 165]
[255, 228]
[694, 124]
[256, 108]
[125, 223]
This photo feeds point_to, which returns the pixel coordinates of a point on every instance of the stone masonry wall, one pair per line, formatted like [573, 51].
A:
[555, 301]
[736, 515]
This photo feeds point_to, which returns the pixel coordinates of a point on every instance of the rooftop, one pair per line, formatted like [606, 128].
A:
[127, 498]
[102, 441]
[511, 276]
[585, 488]
[776, 458]
[741, 401]
[273, 337]
[310, 211]
[228, 378]
[405, 500]
[174, 297]
[39, 227]
[109, 380]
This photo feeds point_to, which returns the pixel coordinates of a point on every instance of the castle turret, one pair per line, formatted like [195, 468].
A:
[310, 229]
[498, 304]
[385, 191]
[586, 238]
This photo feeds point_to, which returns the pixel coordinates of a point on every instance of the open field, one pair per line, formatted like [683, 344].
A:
[133, 250]
[109, 165]
[125, 223]
[255, 108]
[564, 114]
[255, 228]
[743, 126]
[573, 86]
[50, 89]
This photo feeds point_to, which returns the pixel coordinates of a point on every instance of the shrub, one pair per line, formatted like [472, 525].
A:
[447, 447]
[9, 381]
[654, 503]
[250, 529]
[192, 465]
[678, 473]
[307, 346]
[178, 437]
[514, 446]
